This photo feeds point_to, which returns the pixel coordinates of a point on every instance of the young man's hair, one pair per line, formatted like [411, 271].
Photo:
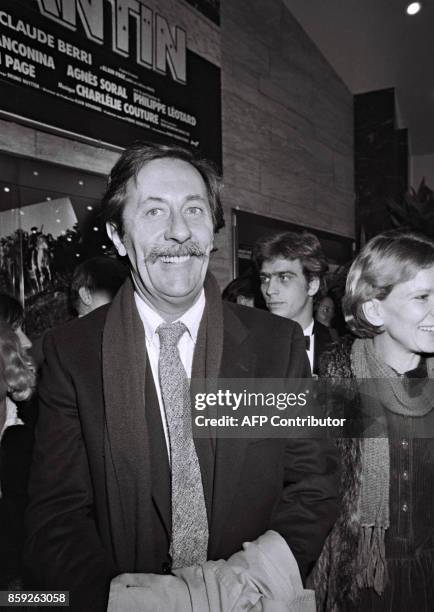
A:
[390, 258]
[101, 273]
[134, 158]
[292, 245]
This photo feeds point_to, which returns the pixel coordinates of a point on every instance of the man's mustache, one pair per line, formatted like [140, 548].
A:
[181, 250]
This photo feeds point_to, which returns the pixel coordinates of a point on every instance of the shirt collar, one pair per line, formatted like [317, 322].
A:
[308, 331]
[151, 319]
[420, 371]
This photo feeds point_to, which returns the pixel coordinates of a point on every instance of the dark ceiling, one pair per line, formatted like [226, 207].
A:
[374, 44]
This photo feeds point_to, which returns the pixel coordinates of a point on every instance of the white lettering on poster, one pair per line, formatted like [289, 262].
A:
[73, 51]
[19, 66]
[27, 52]
[159, 47]
[26, 29]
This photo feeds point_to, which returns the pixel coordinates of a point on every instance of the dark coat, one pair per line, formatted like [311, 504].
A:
[285, 485]
[333, 577]
[323, 342]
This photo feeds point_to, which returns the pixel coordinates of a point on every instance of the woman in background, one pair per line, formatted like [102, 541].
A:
[245, 290]
[17, 380]
[12, 313]
[380, 553]
[325, 313]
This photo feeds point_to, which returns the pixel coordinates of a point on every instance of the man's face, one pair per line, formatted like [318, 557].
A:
[168, 234]
[285, 289]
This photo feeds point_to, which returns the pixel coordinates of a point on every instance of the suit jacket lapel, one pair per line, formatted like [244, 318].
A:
[238, 361]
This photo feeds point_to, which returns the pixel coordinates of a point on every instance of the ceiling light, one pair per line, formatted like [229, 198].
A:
[95, 228]
[35, 173]
[81, 183]
[413, 8]
[48, 198]
[89, 207]
[7, 189]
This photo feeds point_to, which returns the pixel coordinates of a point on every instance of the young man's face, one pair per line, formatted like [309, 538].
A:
[285, 289]
[168, 234]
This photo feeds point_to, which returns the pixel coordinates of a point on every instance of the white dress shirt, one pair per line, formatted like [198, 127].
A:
[151, 320]
[308, 331]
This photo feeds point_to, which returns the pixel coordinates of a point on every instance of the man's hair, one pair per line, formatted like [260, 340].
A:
[11, 311]
[101, 273]
[134, 158]
[17, 370]
[390, 258]
[291, 245]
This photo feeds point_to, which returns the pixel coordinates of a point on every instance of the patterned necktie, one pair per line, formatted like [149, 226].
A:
[189, 519]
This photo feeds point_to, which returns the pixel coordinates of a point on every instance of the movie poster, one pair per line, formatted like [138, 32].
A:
[108, 72]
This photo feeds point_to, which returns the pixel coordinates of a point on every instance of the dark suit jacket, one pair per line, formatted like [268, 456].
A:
[323, 340]
[286, 485]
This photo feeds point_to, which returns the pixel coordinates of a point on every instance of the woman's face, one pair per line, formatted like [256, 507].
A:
[407, 314]
[325, 311]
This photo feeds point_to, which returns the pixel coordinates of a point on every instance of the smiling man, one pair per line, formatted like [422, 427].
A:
[292, 270]
[121, 494]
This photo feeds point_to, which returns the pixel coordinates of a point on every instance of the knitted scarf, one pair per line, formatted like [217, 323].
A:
[387, 391]
[127, 457]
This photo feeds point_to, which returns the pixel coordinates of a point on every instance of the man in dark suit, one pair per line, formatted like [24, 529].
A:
[105, 494]
[292, 268]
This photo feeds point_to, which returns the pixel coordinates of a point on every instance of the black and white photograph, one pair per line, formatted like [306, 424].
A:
[217, 305]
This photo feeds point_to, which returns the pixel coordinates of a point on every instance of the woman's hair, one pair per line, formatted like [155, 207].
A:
[387, 259]
[11, 311]
[17, 370]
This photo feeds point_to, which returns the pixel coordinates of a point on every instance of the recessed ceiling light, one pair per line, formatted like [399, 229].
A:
[48, 198]
[7, 189]
[35, 173]
[95, 228]
[103, 246]
[413, 8]
[81, 183]
[77, 254]
[89, 207]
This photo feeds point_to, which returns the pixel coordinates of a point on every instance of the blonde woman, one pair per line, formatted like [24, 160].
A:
[17, 380]
[380, 553]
